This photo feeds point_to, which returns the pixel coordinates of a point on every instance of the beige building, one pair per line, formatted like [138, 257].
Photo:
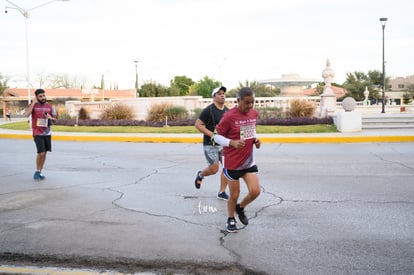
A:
[398, 86]
[16, 99]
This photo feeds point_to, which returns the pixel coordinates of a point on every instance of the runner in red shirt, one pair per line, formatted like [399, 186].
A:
[237, 133]
[42, 115]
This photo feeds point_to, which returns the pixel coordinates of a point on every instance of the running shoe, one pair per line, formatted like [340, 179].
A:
[36, 175]
[231, 225]
[242, 217]
[222, 196]
[41, 176]
[198, 180]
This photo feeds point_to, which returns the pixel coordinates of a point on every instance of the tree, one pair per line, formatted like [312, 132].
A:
[180, 85]
[320, 87]
[409, 94]
[204, 87]
[260, 90]
[152, 89]
[356, 82]
[56, 81]
[3, 83]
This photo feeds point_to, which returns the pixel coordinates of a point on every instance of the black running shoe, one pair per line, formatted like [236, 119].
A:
[222, 196]
[242, 217]
[198, 180]
[231, 225]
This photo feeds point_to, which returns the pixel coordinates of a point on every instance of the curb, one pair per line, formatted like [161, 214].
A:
[177, 139]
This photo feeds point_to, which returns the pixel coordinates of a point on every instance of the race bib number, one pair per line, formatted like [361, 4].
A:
[247, 132]
[41, 122]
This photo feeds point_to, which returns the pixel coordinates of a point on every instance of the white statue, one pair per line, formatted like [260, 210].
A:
[328, 98]
[328, 74]
[366, 94]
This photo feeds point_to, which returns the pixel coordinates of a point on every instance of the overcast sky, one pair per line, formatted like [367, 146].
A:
[228, 40]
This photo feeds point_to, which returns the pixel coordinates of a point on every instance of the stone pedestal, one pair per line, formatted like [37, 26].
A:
[327, 104]
[348, 122]
[328, 98]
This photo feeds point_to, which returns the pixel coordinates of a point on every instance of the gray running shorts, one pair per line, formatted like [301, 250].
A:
[212, 153]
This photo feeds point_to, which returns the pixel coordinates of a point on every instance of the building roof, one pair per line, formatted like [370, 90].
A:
[290, 80]
[21, 93]
[338, 91]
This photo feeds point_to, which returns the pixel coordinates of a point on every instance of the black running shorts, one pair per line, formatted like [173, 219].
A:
[43, 143]
[234, 175]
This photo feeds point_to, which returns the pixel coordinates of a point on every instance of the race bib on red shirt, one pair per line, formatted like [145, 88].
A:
[41, 122]
[247, 132]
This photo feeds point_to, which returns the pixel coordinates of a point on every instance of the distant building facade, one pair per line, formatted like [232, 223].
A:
[16, 99]
[397, 87]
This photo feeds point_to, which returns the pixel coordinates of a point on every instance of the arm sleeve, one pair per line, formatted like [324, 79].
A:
[222, 140]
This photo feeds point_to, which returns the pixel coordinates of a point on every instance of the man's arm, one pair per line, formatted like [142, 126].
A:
[29, 108]
[222, 140]
[52, 118]
[201, 126]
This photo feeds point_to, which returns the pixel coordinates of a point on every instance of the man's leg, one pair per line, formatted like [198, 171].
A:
[212, 169]
[223, 182]
[211, 154]
[40, 161]
[234, 187]
[252, 182]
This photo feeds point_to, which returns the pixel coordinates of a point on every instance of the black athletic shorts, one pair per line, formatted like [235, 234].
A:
[237, 174]
[43, 143]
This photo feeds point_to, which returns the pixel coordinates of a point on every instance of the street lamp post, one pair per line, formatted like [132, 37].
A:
[26, 14]
[383, 20]
[136, 77]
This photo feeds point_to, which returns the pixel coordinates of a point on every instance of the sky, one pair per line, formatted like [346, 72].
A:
[231, 41]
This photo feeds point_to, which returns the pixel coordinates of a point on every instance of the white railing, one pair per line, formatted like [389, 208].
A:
[142, 105]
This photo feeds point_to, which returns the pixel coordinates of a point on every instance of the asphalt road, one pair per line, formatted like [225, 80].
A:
[335, 208]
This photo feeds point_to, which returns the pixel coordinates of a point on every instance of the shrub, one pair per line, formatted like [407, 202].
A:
[270, 112]
[176, 113]
[64, 115]
[83, 114]
[117, 111]
[196, 113]
[157, 112]
[301, 108]
[296, 121]
[61, 111]
[407, 97]
[288, 121]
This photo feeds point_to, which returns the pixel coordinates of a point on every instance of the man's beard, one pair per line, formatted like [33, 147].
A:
[43, 101]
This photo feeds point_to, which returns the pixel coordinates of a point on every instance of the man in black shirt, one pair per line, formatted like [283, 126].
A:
[206, 124]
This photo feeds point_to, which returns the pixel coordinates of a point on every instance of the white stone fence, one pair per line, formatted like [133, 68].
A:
[142, 105]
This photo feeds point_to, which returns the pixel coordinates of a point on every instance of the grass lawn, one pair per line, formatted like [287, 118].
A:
[261, 129]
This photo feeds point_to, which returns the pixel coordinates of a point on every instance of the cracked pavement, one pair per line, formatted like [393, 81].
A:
[341, 208]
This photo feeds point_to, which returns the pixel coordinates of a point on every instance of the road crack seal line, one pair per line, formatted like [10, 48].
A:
[121, 195]
[278, 200]
[222, 239]
[394, 162]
